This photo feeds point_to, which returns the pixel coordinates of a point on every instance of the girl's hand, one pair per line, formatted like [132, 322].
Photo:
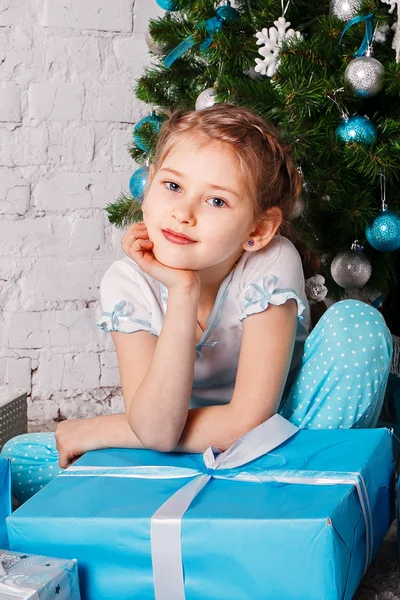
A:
[137, 246]
[74, 437]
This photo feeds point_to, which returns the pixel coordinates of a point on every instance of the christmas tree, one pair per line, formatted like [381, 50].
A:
[328, 75]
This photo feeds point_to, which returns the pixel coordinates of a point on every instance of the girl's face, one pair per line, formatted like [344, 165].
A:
[198, 192]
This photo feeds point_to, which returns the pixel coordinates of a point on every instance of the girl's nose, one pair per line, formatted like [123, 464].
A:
[184, 212]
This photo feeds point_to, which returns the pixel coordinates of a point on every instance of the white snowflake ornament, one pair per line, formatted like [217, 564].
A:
[396, 27]
[272, 39]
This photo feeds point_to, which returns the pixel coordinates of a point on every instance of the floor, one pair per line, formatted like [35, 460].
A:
[381, 581]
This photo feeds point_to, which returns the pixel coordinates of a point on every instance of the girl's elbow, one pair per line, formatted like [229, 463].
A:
[150, 439]
[162, 445]
[158, 443]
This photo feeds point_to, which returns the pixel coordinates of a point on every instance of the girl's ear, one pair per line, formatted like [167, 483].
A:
[265, 229]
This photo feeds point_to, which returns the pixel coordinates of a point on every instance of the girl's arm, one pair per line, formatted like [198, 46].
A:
[264, 362]
[158, 382]
[156, 378]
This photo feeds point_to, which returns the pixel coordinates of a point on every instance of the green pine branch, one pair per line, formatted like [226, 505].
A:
[124, 211]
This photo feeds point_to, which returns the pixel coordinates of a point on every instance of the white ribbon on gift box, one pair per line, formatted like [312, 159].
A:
[166, 547]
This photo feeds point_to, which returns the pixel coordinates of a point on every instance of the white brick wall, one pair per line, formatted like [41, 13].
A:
[66, 113]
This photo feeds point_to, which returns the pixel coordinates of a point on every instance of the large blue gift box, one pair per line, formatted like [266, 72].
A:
[5, 499]
[285, 513]
[29, 577]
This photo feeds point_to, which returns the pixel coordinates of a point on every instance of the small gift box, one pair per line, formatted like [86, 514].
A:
[5, 499]
[284, 513]
[28, 576]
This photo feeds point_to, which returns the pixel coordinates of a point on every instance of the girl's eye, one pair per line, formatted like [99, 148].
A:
[218, 200]
[174, 186]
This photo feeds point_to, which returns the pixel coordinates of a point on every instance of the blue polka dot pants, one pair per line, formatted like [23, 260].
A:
[340, 383]
[344, 371]
[34, 462]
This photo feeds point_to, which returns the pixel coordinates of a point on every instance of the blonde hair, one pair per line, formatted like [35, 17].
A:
[265, 161]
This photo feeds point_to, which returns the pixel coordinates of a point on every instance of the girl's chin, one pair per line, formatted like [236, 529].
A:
[177, 264]
[174, 262]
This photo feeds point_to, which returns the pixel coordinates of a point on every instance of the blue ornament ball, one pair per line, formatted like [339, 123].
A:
[357, 129]
[169, 5]
[227, 13]
[138, 182]
[155, 123]
[383, 233]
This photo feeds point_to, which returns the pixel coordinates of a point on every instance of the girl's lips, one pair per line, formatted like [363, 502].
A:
[176, 239]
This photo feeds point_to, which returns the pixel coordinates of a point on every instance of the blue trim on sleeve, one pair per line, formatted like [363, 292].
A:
[111, 321]
[258, 297]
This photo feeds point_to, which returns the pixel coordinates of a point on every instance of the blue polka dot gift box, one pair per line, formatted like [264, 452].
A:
[284, 513]
[5, 499]
[31, 577]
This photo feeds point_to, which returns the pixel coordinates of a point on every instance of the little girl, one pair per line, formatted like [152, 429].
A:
[213, 289]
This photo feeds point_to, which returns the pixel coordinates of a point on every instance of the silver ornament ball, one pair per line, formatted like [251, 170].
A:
[364, 75]
[155, 47]
[351, 269]
[345, 9]
[206, 99]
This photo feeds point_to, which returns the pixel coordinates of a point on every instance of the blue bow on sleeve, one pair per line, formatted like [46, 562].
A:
[122, 309]
[254, 294]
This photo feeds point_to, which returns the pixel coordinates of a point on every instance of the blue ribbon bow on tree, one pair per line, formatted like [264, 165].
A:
[214, 25]
[367, 36]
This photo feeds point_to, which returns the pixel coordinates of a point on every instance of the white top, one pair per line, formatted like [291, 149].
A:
[134, 301]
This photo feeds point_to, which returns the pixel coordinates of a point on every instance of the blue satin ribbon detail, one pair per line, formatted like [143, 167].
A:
[212, 26]
[262, 295]
[179, 50]
[368, 32]
[122, 309]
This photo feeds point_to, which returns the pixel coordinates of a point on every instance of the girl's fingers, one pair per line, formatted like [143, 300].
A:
[135, 242]
[145, 243]
[135, 231]
[137, 247]
[129, 242]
